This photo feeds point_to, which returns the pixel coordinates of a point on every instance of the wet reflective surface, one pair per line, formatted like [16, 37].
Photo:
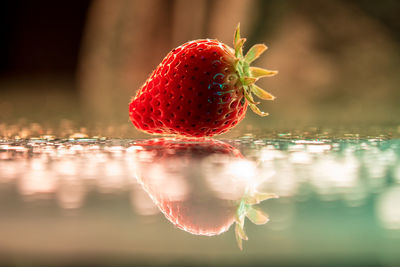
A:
[118, 201]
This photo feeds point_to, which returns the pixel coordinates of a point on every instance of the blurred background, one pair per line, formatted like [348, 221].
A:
[80, 62]
[71, 67]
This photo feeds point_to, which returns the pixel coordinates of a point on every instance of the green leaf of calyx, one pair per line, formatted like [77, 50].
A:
[259, 72]
[236, 36]
[256, 110]
[256, 215]
[238, 43]
[241, 214]
[259, 92]
[249, 97]
[239, 48]
[240, 230]
[259, 197]
[239, 241]
[254, 52]
[249, 80]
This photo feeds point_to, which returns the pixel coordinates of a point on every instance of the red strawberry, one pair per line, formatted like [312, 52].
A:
[196, 186]
[201, 88]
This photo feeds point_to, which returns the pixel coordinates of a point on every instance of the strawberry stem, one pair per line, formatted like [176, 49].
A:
[247, 209]
[249, 75]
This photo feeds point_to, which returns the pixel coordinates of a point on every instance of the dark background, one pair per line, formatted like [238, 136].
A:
[41, 37]
[81, 61]
[45, 36]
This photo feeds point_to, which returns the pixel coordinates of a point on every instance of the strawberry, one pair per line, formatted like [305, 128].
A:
[201, 88]
[205, 202]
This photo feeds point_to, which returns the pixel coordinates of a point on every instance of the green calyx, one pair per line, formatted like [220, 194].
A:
[249, 75]
[247, 209]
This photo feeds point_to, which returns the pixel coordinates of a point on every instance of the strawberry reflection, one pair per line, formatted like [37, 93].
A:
[202, 186]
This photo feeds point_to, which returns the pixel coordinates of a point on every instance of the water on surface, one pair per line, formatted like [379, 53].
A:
[71, 199]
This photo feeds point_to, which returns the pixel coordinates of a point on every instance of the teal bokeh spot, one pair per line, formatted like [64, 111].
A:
[218, 74]
[218, 89]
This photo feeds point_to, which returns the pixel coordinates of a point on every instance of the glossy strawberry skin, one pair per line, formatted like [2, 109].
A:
[195, 91]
